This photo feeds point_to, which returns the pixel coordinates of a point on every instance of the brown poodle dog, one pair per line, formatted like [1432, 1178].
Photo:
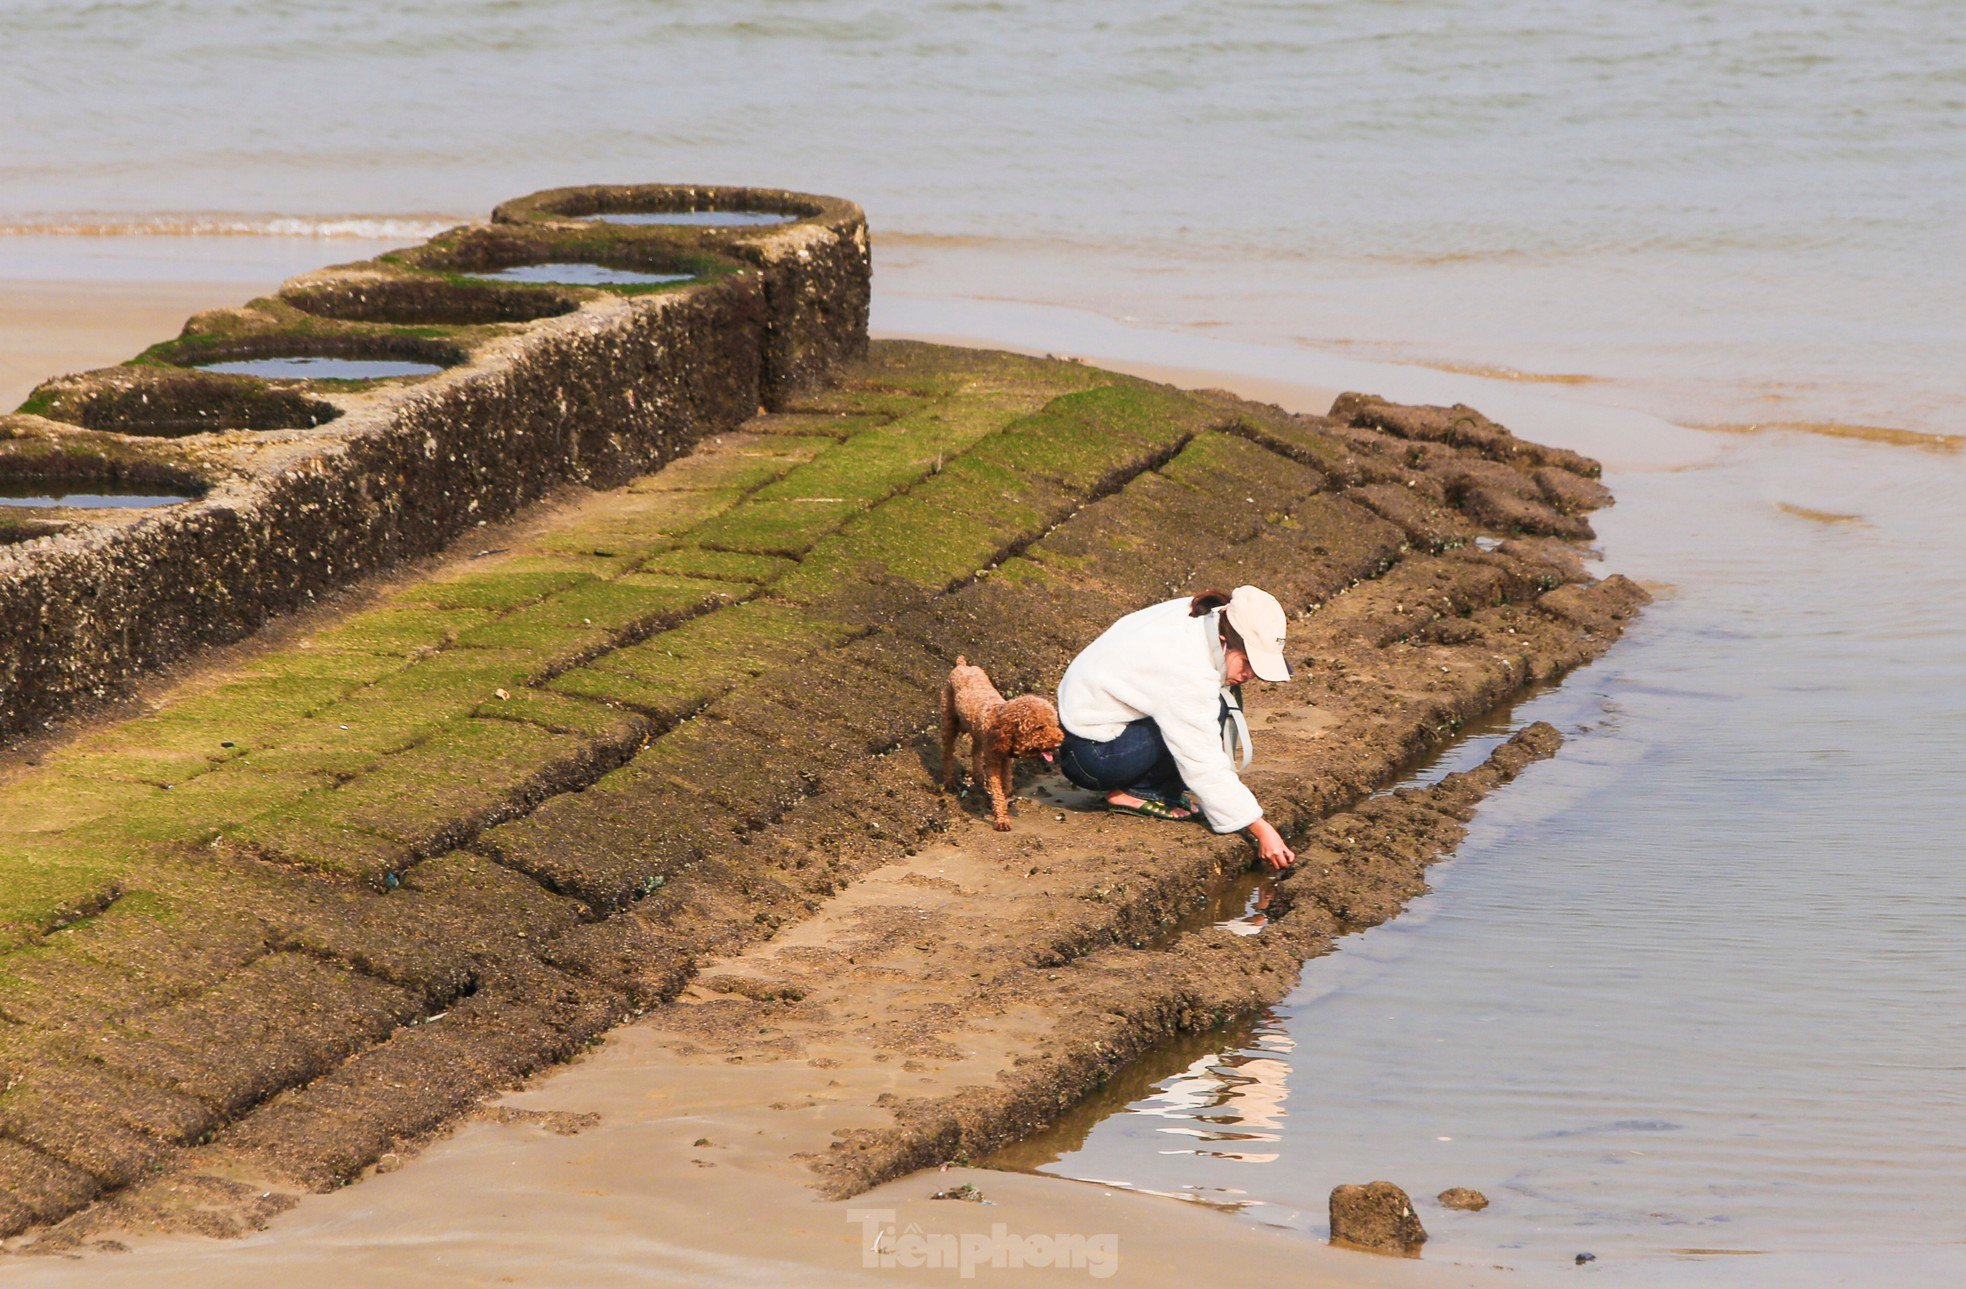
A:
[999, 732]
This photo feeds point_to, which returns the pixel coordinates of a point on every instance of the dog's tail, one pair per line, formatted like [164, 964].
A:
[961, 661]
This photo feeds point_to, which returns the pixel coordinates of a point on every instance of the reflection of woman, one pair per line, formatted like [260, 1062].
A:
[1151, 719]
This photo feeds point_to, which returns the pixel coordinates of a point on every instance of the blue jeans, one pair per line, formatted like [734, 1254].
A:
[1137, 761]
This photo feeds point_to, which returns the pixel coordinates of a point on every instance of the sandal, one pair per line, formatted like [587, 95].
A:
[1149, 809]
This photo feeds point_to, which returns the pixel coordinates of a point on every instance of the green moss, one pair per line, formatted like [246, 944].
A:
[343, 762]
[455, 679]
[738, 471]
[880, 460]
[812, 426]
[729, 566]
[38, 892]
[621, 541]
[589, 616]
[682, 511]
[565, 715]
[1224, 465]
[543, 635]
[326, 847]
[499, 589]
[181, 351]
[743, 640]
[288, 669]
[1027, 573]
[677, 671]
[401, 629]
[160, 748]
[40, 403]
[784, 528]
[466, 769]
[200, 809]
[858, 401]
[1003, 491]
[663, 698]
[136, 765]
[865, 468]
[54, 802]
[1301, 442]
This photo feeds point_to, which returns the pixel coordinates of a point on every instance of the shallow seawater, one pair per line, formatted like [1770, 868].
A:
[695, 218]
[1696, 984]
[12, 495]
[1740, 211]
[307, 367]
[571, 273]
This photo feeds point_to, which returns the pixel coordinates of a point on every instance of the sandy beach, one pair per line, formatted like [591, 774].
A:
[47, 328]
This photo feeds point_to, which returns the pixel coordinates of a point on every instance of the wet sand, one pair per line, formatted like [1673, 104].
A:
[51, 328]
[634, 1200]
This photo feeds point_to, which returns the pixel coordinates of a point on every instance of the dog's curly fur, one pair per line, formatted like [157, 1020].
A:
[999, 732]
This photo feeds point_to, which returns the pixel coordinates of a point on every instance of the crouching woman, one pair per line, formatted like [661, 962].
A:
[1153, 721]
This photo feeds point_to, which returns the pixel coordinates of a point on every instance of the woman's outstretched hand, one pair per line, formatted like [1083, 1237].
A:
[1270, 845]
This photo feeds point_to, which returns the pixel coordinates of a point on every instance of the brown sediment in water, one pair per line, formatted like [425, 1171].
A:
[1843, 430]
[1818, 516]
[1517, 375]
[666, 753]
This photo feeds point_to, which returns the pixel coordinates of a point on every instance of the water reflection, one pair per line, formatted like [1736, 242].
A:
[1695, 984]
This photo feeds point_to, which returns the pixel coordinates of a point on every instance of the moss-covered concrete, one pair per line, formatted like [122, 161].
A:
[303, 486]
[817, 271]
[528, 791]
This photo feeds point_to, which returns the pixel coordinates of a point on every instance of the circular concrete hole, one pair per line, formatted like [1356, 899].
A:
[93, 496]
[579, 273]
[42, 480]
[320, 367]
[300, 355]
[692, 218]
[502, 258]
[166, 403]
[428, 301]
[669, 206]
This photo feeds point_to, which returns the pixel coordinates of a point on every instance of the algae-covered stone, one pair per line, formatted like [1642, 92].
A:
[1463, 1199]
[1376, 1217]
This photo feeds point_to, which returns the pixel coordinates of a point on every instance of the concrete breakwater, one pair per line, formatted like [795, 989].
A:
[321, 900]
[295, 487]
[318, 902]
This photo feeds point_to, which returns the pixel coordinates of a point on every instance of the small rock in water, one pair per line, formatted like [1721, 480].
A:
[1461, 1197]
[1378, 1218]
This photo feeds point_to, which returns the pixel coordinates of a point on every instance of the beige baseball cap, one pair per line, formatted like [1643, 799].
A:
[1259, 620]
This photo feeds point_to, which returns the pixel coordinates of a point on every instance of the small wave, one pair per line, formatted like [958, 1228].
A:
[376, 228]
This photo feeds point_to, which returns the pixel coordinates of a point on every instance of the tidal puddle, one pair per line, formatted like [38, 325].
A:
[308, 367]
[1693, 990]
[35, 496]
[573, 273]
[695, 218]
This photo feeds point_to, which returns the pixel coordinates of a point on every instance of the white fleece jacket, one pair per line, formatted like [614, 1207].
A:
[1162, 663]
